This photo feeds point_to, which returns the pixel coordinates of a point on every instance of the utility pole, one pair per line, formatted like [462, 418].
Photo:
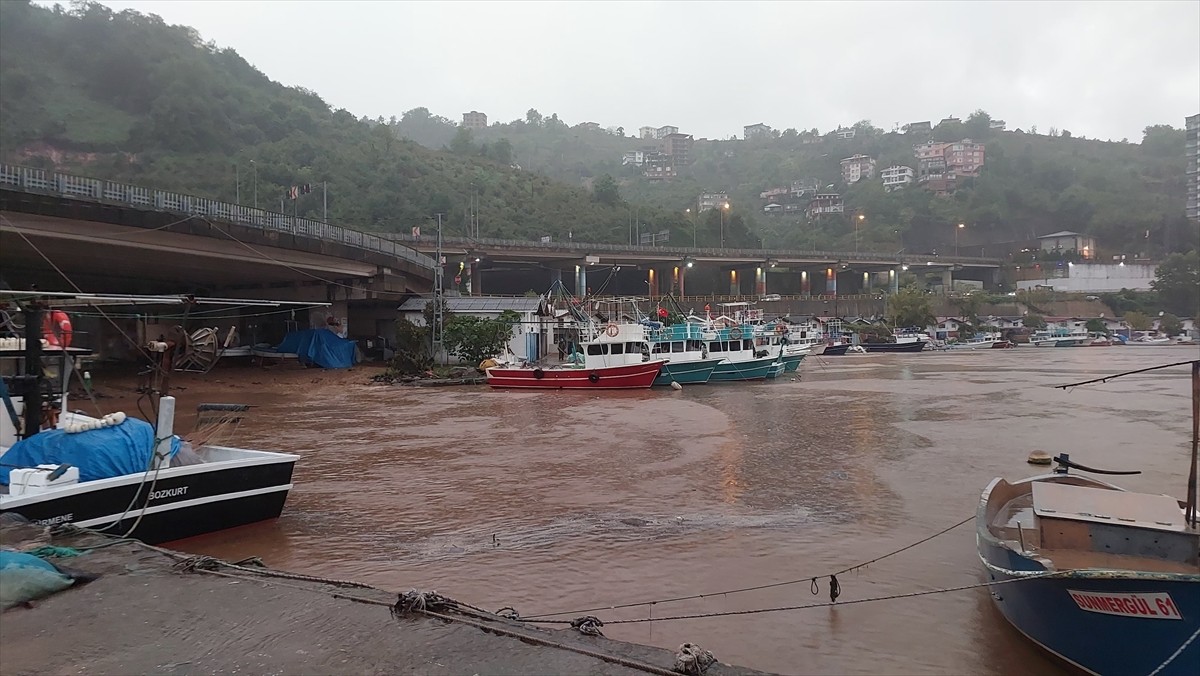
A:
[255, 168]
[438, 318]
[325, 201]
[237, 181]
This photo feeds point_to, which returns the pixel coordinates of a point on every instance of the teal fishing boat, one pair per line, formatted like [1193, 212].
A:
[739, 358]
[683, 348]
[791, 362]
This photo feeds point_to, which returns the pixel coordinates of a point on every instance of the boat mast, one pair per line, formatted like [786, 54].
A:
[31, 382]
[1190, 512]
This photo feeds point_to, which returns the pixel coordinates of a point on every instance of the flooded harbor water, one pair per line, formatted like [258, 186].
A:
[560, 501]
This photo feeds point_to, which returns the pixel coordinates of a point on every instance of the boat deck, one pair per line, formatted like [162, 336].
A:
[1021, 526]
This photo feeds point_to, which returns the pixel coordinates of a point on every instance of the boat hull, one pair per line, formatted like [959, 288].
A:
[776, 370]
[186, 501]
[791, 362]
[836, 350]
[1073, 617]
[686, 373]
[913, 346]
[625, 377]
[754, 369]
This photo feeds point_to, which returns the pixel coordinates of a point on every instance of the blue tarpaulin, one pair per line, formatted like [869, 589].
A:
[321, 347]
[99, 454]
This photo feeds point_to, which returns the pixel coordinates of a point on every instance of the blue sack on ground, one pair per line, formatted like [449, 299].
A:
[321, 347]
[99, 454]
[25, 577]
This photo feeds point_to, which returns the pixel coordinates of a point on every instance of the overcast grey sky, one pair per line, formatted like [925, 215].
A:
[1099, 69]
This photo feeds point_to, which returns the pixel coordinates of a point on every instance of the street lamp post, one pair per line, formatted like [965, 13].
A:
[255, 168]
[858, 221]
[688, 211]
[960, 227]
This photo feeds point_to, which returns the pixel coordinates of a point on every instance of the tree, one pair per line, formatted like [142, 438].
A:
[474, 339]
[502, 151]
[533, 117]
[1169, 325]
[605, 190]
[1177, 282]
[978, 124]
[910, 307]
[462, 142]
[1137, 321]
[1096, 326]
[1034, 321]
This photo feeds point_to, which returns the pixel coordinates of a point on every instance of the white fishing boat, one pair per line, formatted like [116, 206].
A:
[117, 473]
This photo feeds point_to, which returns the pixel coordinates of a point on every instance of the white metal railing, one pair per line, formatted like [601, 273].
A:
[79, 187]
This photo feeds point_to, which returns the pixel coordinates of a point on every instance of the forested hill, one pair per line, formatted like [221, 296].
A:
[1128, 194]
[124, 96]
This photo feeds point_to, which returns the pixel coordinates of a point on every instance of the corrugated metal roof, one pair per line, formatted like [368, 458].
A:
[476, 304]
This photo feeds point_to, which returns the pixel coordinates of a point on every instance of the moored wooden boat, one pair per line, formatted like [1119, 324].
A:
[1104, 578]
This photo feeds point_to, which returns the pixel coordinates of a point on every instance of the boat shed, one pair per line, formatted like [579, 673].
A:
[531, 337]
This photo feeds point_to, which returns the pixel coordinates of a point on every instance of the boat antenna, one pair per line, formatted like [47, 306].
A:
[1190, 510]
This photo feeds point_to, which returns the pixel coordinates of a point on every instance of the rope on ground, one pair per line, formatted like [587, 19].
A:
[588, 625]
[693, 660]
[1177, 653]
[416, 601]
[811, 579]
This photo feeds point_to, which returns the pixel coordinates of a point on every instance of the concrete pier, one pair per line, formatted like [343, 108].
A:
[145, 614]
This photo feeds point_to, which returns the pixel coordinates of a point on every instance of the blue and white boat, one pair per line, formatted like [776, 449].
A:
[740, 360]
[1104, 578]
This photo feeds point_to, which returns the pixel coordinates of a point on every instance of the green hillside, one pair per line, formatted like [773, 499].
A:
[126, 97]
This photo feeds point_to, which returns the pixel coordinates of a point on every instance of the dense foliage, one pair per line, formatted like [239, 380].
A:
[124, 96]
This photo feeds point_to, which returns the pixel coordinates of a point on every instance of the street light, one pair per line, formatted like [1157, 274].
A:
[861, 218]
[724, 208]
[960, 227]
[688, 211]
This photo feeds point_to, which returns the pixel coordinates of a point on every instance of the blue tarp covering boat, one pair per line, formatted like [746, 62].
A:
[99, 454]
[321, 347]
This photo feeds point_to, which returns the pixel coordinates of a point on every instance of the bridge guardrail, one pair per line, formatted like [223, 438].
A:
[67, 185]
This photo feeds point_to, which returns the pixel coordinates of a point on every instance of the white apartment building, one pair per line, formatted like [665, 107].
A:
[896, 177]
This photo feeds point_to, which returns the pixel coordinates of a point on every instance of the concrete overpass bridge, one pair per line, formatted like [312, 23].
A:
[656, 270]
[123, 237]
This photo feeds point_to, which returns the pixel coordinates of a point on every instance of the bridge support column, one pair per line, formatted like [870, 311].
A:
[474, 280]
[555, 276]
[805, 283]
[894, 280]
[760, 281]
[734, 287]
[652, 282]
[580, 281]
[947, 281]
[831, 282]
[866, 282]
[680, 274]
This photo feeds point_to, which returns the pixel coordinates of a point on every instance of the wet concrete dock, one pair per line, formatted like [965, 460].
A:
[146, 614]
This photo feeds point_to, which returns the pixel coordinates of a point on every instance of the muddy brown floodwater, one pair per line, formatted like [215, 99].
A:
[560, 501]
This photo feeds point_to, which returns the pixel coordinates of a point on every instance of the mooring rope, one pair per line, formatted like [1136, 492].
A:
[1177, 653]
[827, 604]
[812, 579]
